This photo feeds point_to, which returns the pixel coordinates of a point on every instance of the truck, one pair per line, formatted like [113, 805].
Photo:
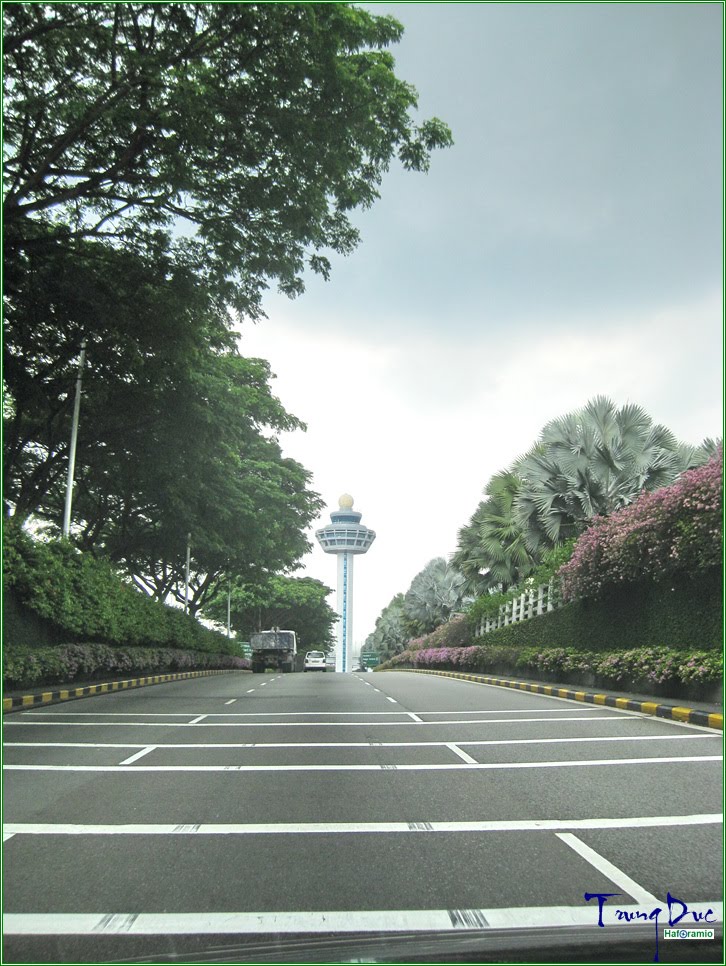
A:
[275, 649]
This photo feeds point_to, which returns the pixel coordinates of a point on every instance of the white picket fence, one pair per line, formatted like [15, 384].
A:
[530, 603]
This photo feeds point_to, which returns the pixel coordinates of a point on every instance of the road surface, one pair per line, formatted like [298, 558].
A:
[210, 813]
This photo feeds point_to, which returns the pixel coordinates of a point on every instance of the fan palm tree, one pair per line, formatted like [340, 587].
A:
[435, 594]
[492, 550]
[590, 462]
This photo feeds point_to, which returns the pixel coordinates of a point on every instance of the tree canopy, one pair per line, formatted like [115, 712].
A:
[178, 432]
[164, 164]
[435, 594]
[295, 603]
[258, 126]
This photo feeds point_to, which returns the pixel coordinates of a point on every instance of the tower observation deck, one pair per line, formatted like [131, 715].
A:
[346, 537]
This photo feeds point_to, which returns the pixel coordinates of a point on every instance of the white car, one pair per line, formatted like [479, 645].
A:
[314, 661]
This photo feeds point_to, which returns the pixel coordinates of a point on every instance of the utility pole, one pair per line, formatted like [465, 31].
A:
[186, 573]
[229, 609]
[74, 440]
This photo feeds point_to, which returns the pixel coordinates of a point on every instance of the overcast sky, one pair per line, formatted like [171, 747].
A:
[568, 245]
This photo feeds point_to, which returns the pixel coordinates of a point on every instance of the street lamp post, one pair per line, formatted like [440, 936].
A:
[186, 573]
[74, 441]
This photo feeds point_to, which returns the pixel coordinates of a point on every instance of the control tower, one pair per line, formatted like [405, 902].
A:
[346, 537]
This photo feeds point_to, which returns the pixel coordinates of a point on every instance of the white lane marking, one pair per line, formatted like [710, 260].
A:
[201, 717]
[250, 691]
[304, 724]
[355, 744]
[263, 684]
[7, 836]
[139, 754]
[364, 920]
[349, 828]
[610, 871]
[393, 700]
[232, 701]
[462, 754]
[488, 766]
[377, 690]
[284, 714]
[414, 717]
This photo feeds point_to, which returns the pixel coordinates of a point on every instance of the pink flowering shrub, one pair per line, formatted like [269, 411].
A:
[640, 666]
[676, 529]
[78, 662]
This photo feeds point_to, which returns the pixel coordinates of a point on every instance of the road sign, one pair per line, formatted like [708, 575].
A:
[246, 650]
[369, 659]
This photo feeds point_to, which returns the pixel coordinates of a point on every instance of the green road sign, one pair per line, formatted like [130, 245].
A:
[246, 650]
[369, 659]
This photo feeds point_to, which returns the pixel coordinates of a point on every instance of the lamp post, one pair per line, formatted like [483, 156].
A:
[74, 441]
[186, 573]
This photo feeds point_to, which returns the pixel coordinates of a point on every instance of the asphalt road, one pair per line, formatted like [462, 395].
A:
[208, 814]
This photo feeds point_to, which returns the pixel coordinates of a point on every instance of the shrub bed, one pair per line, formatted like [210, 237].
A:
[76, 662]
[653, 670]
[671, 531]
[82, 598]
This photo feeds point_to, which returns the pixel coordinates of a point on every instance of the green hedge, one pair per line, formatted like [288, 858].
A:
[81, 662]
[82, 598]
[687, 614]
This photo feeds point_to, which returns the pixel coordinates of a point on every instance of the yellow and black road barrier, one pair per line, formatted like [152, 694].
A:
[674, 712]
[20, 701]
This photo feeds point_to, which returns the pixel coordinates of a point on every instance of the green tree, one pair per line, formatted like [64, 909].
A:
[593, 461]
[178, 431]
[435, 594]
[492, 551]
[208, 464]
[147, 321]
[295, 603]
[392, 629]
[260, 126]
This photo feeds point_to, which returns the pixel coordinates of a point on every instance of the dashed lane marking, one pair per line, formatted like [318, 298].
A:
[462, 754]
[610, 871]
[139, 754]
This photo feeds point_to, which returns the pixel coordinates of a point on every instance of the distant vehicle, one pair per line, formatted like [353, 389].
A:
[315, 661]
[274, 649]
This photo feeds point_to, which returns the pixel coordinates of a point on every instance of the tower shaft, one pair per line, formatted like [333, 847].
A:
[344, 643]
